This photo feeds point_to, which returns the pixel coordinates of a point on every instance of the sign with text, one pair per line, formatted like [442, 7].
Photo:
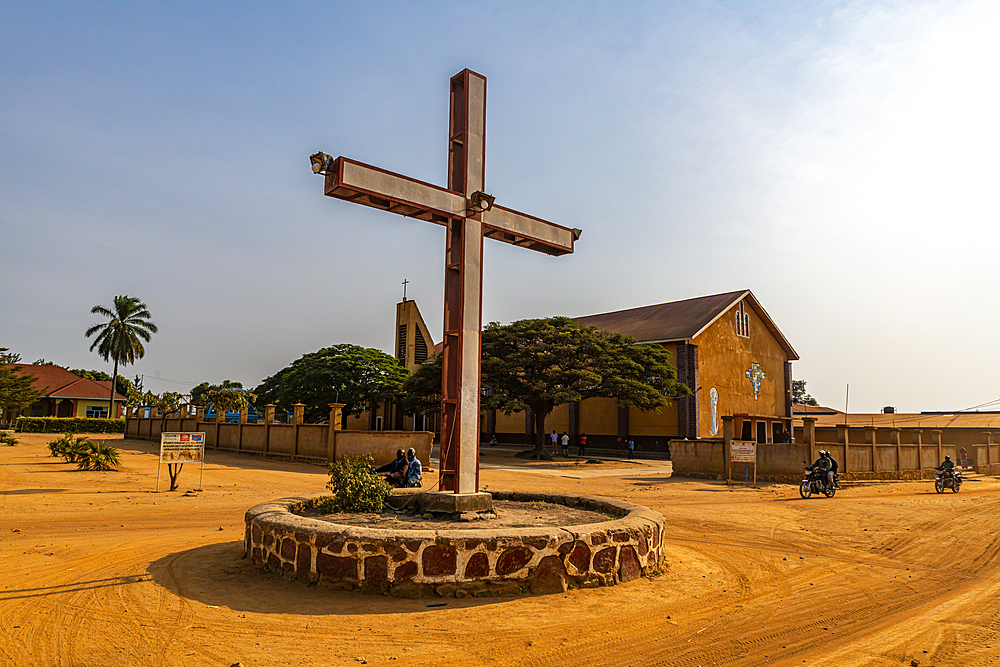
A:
[742, 451]
[182, 447]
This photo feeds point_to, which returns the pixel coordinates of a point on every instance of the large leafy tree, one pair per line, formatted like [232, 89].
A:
[356, 376]
[17, 391]
[422, 391]
[204, 389]
[120, 338]
[799, 394]
[539, 364]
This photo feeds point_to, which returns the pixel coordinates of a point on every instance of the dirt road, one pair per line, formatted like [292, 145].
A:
[100, 571]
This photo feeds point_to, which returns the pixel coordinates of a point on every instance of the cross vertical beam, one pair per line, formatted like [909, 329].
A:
[466, 225]
[463, 287]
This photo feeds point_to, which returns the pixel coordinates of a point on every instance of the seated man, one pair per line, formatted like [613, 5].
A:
[394, 471]
[947, 465]
[414, 471]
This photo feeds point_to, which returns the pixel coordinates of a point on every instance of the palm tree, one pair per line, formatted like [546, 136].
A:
[118, 339]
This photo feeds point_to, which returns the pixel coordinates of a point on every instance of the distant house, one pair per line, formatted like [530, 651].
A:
[67, 394]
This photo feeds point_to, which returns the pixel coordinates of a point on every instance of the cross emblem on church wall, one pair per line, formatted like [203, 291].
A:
[756, 376]
[469, 216]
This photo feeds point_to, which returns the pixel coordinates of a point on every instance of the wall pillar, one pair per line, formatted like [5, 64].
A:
[727, 439]
[268, 422]
[244, 418]
[220, 419]
[336, 410]
[917, 435]
[299, 413]
[936, 439]
[894, 439]
[808, 431]
[843, 438]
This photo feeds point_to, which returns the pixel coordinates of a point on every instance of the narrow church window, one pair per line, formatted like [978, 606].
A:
[419, 348]
[401, 346]
[742, 322]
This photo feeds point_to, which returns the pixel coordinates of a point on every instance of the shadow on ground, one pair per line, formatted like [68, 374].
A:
[217, 575]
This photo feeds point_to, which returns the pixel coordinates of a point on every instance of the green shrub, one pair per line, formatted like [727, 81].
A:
[70, 425]
[355, 487]
[97, 456]
[70, 447]
[8, 439]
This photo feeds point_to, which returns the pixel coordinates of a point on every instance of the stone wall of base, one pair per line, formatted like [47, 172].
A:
[459, 563]
[991, 469]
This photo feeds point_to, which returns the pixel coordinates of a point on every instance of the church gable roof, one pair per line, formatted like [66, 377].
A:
[680, 320]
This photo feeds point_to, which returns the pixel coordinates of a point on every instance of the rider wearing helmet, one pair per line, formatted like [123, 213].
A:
[823, 465]
[947, 465]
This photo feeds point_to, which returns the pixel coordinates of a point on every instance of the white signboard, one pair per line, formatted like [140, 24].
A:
[182, 447]
[742, 451]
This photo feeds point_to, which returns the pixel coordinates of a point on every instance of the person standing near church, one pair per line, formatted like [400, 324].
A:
[564, 441]
[630, 443]
[555, 442]
[583, 444]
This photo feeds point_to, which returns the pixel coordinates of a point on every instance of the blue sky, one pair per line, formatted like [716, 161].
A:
[836, 158]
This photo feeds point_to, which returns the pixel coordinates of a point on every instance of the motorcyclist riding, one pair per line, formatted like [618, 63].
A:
[947, 465]
[823, 465]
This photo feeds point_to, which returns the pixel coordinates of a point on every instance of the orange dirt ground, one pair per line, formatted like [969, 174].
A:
[100, 571]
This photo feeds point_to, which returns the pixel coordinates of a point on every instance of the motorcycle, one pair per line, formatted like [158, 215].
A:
[814, 481]
[948, 480]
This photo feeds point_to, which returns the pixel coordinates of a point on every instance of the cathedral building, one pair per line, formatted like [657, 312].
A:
[726, 348]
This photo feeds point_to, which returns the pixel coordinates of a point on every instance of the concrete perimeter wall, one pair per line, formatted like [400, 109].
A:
[317, 443]
[861, 452]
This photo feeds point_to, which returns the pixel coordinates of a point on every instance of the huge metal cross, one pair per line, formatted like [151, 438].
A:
[468, 216]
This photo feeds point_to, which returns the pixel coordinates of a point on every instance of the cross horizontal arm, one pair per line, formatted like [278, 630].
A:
[364, 184]
[361, 183]
[527, 231]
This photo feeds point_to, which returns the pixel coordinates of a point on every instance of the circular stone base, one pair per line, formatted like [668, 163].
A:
[461, 563]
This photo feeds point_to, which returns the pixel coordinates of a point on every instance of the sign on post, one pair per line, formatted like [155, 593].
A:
[743, 451]
[181, 448]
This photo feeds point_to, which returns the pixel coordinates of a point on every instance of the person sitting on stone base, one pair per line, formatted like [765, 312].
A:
[414, 471]
[394, 471]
